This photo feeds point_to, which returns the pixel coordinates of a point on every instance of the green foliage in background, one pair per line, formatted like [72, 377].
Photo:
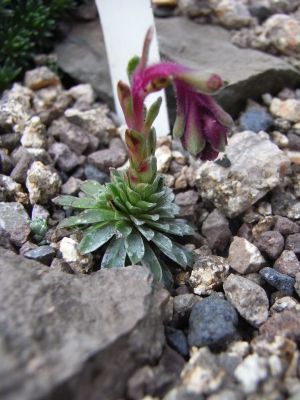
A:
[27, 27]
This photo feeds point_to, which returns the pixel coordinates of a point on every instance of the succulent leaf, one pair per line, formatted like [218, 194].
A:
[135, 247]
[152, 113]
[147, 232]
[76, 202]
[151, 261]
[95, 237]
[91, 188]
[131, 66]
[115, 254]
[124, 228]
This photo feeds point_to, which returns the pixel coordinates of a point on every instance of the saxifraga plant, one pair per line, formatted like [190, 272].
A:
[27, 27]
[135, 213]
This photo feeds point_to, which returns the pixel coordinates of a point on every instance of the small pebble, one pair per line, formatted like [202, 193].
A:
[93, 173]
[255, 119]
[216, 230]
[293, 243]
[286, 323]
[248, 298]
[208, 274]
[213, 322]
[287, 263]
[244, 257]
[43, 254]
[285, 226]
[270, 243]
[284, 303]
[177, 340]
[283, 283]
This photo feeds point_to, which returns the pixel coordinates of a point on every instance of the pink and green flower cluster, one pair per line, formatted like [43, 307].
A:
[201, 125]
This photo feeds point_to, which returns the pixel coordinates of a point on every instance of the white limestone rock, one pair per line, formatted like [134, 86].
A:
[42, 183]
[257, 166]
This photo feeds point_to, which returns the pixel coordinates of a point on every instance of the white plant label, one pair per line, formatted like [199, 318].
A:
[124, 24]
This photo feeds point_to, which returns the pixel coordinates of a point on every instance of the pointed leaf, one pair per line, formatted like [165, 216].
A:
[132, 195]
[185, 227]
[172, 251]
[162, 241]
[150, 217]
[95, 237]
[88, 217]
[155, 197]
[92, 188]
[146, 46]
[153, 112]
[131, 66]
[190, 256]
[151, 142]
[115, 254]
[76, 202]
[124, 228]
[178, 128]
[146, 232]
[166, 227]
[125, 100]
[136, 221]
[145, 205]
[150, 261]
[135, 247]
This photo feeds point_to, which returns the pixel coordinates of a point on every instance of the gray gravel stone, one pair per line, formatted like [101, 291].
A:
[297, 284]
[43, 254]
[286, 324]
[6, 164]
[212, 323]
[283, 283]
[281, 202]
[216, 230]
[248, 298]
[76, 138]
[108, 158]
[270, 243]
[182, 306]
[61, 332]
[19, 172]
[177, 340]
[287, 263]
[293, 243]
[92, 172]
[65, 159]
[10, 140]
[95, 121]
[285, 226]
[15, 221]
[244, 257]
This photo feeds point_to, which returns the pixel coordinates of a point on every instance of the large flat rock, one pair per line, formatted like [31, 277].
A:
[82, 55]
[74, 337]
[203, 47]
[250, 73]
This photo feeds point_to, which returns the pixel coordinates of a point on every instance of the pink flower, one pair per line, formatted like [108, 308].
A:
[201, 125]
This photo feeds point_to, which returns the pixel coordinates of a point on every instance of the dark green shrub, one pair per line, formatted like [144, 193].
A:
[27, 27]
